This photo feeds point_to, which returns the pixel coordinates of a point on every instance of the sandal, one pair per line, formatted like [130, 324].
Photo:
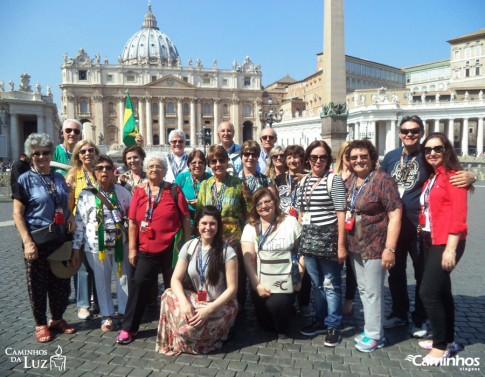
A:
[426, 344]
[42, 334]
[62, 326]
[107, 324]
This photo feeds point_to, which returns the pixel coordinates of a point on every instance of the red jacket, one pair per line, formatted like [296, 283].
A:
[448, 208]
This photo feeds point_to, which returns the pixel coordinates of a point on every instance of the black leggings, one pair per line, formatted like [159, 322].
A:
[435, 292]
[274, 312]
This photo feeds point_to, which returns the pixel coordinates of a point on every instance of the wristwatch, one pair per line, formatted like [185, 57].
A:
[391, 249]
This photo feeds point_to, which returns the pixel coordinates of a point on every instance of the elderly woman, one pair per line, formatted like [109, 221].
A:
[321, 200]
[443, 235]
[133, 157]
[269, 242]
[191, 180]
[276, 165]
[372, 223]
[40, 198]
[252, 179]
[196, 317]
[78, 178]
[158, 210]
[177, 158]
[102, 233]
[226, 193]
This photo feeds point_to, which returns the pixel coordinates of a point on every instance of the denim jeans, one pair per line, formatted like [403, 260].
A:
[326, 277]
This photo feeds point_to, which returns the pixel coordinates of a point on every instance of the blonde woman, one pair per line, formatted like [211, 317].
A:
[277, 164]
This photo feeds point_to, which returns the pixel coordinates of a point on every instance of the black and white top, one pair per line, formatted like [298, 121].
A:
[318, 203]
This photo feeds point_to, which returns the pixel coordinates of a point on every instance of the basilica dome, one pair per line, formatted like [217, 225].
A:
[149, 45]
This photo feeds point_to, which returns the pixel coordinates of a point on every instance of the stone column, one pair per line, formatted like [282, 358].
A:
[451, 130]
[149, 137]
[99, 116]
[41, 123]
[121, 116]
[356, 130]
[180, 115]
[141, 118]
[199, 120]
[392, 145]
[161, 122]
[217, 102]
[15, 148]
[235, 120]
[464, 138]
[193, 125]
[436, 125]
[372, 128]
[480, 136]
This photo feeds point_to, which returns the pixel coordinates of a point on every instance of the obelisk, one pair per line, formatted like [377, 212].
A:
[334, 111]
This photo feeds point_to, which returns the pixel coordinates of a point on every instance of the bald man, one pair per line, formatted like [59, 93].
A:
[226, 136]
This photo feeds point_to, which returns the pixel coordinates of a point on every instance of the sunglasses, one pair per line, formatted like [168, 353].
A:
[216, 160]
[414, 131]
[71, 130]
[363, 157]
[248, 154]
[175, 142]
[439, 149]
[267, 137]
[278, 156]
[89, 150]
[38, 154]
[195, 163]
[104, 167]
[315, 158]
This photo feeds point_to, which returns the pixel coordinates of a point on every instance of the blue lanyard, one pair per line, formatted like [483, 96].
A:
[88, 179]
[202, 267]
[262, 238]
[355, 195]
[152, 203]
[217, 199]
[50, 188]
[195, 185]
[176, 169]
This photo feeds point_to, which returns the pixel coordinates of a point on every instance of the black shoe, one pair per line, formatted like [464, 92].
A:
[314, 329]
[333, 338]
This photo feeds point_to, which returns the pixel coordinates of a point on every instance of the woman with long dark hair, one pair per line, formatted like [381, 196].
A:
[200, 307]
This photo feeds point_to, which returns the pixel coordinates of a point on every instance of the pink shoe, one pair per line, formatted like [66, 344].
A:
[124, 337]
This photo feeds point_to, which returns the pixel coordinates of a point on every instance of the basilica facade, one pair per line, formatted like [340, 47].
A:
[166, 93]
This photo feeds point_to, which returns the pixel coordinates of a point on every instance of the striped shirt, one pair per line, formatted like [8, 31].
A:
[318, 203]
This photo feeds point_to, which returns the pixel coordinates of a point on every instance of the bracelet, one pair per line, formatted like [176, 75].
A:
[451, 252]
[391, 249]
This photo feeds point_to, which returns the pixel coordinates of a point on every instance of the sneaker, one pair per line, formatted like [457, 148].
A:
[84, 314]
[420, 331]
[306, 311]
[393, 321]
[369, 344]
[313, 329]
[359, 337]
[333, 338]
[124, 337]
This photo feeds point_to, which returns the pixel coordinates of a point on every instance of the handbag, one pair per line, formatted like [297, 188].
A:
[319, 241]
[49, 237]
[274, 270]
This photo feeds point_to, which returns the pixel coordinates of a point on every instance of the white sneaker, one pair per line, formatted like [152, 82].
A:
[420, 331]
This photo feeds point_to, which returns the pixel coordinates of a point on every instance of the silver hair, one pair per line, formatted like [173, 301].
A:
[37, 140]
[230, 124]
[67, 122]
[159, 156]
[174, 133]
[270, 129]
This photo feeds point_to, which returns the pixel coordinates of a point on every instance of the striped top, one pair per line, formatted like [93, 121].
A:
[318, 203]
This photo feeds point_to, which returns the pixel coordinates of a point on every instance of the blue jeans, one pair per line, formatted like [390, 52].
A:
[326, 277]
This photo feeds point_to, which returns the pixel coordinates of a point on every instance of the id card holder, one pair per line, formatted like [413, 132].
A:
[422, 219]
[116, 216]
[292, 212]
[143, 226]
[348, 215]
[59, 216]
[401, 190]
[349, 223]
[202, 295]
[306, 219]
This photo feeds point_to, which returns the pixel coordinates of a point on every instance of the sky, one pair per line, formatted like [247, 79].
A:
[283, 36]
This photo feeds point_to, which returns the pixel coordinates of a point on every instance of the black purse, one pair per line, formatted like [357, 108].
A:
[49, 237]
[319, 241]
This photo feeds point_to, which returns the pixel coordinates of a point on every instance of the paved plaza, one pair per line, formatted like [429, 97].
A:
[251, 351]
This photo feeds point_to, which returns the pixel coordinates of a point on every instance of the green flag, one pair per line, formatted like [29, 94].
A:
[130, 129]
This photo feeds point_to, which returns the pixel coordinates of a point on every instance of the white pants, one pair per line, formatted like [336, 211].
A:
[102, 276]
[370, 281]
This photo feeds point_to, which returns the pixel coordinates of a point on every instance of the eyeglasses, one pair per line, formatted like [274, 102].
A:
[414, 131]
[217, 160]
[70, 130]
[154, 167]
[89, 150]
[278, 156]
[267, 137]
[104, 167]
[439, 149]
[195, 163]
[264, 203]
[315, 158]
[175, 142]
[44, 153]
[248, 154]
[363, 157]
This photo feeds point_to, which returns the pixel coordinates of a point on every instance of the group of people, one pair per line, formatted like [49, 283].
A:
[280, 219]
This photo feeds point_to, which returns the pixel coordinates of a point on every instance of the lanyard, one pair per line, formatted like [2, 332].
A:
[112, 198]
[405, 169]
[355, 193]
[200, 266]
[427, 191]
[68, 154]
[292, 190]
[262, 238]
[177, 168]
[50, 188]
[195, 186]
[217, 198]
[88, 178]
[252, 184]
[151, 203]
[307, 199]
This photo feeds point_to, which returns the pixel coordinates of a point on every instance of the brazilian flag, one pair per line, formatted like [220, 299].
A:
[130, 129]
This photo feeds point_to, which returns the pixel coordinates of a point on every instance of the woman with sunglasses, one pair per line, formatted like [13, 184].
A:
[133, 157]
[269, 242]
[252, 179]
[443, 231]
[276, 163]
[321, 200]
[176, 158]
[40, 197]
[372, 224]
[78, 178]
[227, 194]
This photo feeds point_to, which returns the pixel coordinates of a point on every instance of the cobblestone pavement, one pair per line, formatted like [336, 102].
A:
[252, 351]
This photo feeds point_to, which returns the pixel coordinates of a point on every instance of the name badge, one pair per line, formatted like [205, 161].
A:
[401, 190]
[306, 219]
